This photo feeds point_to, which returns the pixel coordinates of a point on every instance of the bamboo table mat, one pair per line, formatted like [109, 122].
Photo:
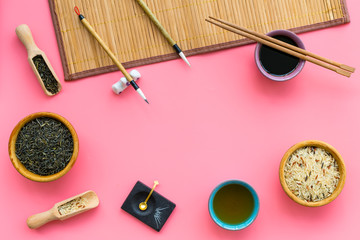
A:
[135, 40]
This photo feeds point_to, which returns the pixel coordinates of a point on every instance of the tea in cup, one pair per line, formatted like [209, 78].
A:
[233, 205]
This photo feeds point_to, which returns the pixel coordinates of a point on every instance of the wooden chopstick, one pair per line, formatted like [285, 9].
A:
[284, 47]
[281, 43]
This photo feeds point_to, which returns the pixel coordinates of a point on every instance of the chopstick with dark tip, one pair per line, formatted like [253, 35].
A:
[110, 54]
[284, 47]
[162, 30]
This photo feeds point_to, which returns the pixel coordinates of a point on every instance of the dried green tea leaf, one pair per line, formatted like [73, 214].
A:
[46, 75]
[44, 146]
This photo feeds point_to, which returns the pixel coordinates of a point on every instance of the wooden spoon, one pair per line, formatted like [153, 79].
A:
[24, 34]
[65, 209]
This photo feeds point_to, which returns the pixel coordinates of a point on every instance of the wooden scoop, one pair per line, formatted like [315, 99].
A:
[65, 209]
[24, 34]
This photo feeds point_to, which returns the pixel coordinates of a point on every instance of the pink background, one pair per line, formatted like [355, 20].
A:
[219, 120]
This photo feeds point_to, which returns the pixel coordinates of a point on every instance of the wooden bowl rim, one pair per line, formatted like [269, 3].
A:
[21, 168]
[333, 152]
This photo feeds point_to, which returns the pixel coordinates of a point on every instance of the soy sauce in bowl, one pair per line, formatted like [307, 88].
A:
[277, 65]
[277, 62]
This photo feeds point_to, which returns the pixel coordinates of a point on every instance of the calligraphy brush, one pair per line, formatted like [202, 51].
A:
[162, 30]
[110, 53]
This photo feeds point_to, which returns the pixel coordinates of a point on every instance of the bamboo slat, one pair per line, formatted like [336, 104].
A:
[135, 40]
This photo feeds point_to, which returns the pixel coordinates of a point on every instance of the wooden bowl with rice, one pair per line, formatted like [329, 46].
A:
[312, 173]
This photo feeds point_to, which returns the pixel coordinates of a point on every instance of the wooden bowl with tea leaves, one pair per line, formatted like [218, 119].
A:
[312, 173]
[43, 146]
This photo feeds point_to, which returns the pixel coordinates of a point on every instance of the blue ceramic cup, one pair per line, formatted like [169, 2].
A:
[233, 205]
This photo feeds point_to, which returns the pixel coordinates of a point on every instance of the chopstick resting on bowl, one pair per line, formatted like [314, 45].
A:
[284, 47]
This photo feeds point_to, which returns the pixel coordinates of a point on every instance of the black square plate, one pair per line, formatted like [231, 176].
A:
[158, 210]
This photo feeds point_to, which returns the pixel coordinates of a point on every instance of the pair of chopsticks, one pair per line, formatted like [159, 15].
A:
[284, 47]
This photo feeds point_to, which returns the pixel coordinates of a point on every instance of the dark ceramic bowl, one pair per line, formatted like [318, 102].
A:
[289, 75]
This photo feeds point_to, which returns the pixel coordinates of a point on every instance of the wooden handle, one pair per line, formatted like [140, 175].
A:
[24, 34]
[107, 49]
[40, 219]
[156, 22]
